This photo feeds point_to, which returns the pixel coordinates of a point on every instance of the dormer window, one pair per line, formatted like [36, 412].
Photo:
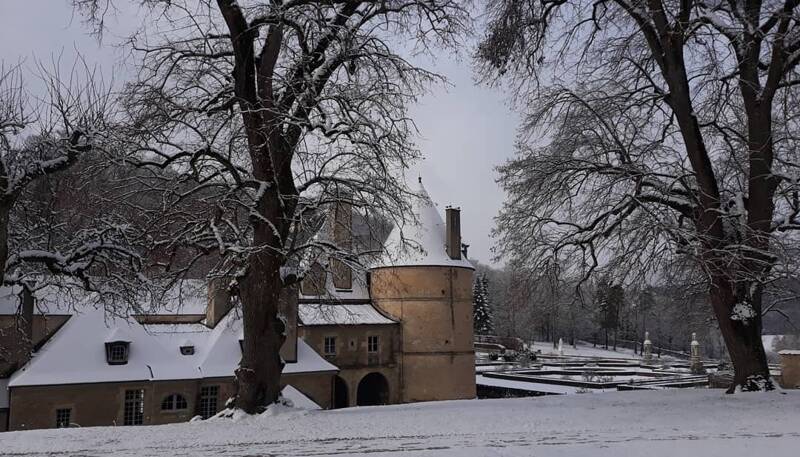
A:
[187, 350]
[117, 352]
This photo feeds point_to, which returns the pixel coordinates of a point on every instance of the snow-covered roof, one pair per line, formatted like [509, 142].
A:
[222, 356]
[178, 329]
[359, 290]
[3, 393]
[117, 335]
[76, 353]
[421, 242]
[298, 399]
[340, 314]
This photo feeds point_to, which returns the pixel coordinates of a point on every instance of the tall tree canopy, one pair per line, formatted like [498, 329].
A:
[41, 136]
[275, 109]
[657, 132]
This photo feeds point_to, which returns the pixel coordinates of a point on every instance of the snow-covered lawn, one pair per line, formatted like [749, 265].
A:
[682, 422]
[584, 349]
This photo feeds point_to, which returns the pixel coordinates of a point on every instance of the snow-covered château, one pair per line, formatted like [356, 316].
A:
[399, 332]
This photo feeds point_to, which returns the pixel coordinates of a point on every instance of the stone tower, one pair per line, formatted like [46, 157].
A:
[424, 281]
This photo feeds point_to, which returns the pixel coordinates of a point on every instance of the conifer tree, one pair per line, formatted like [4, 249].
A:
[481, 307]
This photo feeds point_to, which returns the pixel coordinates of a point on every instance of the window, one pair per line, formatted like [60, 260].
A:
[63, 417]
[174, 402]
[117, 352]
[208, 401]
[133, 413]
[372, 344]
[329, 346]
[187, 350]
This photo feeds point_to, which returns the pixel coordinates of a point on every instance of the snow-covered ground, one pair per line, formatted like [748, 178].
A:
[681, 422]
[583, 349]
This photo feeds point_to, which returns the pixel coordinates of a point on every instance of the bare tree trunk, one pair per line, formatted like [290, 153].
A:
[742, 336]
[25, 326]
[259, 374]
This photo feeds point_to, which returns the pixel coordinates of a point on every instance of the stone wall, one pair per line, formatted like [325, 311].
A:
[434, 305]
[101, 404]
[351, 354]
[790, 369]
[438, 377]
[317, 387]
[93, 404]
[351, 343]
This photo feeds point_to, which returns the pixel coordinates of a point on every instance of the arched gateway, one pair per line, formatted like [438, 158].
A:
[373, 390]
[340, 397]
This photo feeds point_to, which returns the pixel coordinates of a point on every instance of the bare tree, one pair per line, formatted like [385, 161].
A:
[40, 137]
[274, 110]
[43, 135]
[659, 132]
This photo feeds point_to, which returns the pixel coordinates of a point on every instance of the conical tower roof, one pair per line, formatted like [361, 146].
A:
[421, 242]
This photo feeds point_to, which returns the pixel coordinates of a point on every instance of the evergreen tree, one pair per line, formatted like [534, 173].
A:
[481, 307]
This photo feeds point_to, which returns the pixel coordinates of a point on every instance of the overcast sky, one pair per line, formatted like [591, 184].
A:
[465, 130]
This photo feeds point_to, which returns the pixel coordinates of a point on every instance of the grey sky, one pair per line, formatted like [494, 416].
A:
[465, 130]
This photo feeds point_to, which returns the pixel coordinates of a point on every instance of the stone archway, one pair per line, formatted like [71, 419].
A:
[341, 399]
[373, 390]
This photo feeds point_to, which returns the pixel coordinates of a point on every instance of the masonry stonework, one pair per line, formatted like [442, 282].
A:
[353, 359]
[102, 404]
[434, 306]
[790, 369]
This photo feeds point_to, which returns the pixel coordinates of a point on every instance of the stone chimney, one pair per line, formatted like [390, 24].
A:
[343, 237]
[343, 224]
[219, 300]
[453, 232]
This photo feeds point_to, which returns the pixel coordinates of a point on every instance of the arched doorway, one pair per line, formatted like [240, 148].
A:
[340, 397]
[373, 390]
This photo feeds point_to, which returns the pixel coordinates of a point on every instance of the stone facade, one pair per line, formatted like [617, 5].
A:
[354, 360]
[434, 306]
[103, 403]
